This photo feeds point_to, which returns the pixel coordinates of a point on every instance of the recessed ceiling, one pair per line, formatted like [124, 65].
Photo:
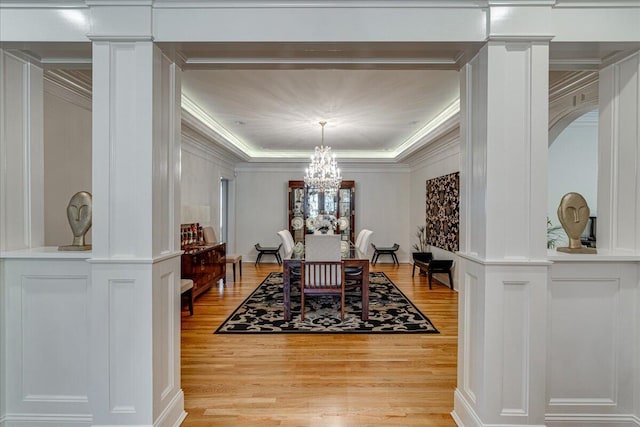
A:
[366, 111]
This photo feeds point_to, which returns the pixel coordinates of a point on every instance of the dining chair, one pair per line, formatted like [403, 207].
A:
[322, 278]
[287, 247]
[287, 243]
[360, 236]
[362, 244]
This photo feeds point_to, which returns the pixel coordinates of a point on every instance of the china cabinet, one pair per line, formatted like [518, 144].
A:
[304, 204]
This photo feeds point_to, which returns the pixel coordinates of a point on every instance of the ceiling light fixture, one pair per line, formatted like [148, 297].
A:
[323, 174]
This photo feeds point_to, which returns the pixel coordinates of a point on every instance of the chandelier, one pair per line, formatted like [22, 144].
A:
[323, 174]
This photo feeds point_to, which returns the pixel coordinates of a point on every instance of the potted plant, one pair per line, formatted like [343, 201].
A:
[421, 250]
[554, 234]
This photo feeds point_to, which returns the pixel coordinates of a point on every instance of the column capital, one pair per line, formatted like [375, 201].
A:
[116, 21]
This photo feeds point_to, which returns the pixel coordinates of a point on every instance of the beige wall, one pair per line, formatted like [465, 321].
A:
[67, 164]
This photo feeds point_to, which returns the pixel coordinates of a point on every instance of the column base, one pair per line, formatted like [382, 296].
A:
[465, 416]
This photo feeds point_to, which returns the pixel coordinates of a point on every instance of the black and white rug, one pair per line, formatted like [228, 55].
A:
[390, 311]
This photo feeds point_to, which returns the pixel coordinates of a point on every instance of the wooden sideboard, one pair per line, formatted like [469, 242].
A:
[205, 265]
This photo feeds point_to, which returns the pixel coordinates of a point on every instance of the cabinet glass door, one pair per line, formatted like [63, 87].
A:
[297, 210]
[305, 204]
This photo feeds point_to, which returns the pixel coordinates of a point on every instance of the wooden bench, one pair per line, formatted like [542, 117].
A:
[434, 266]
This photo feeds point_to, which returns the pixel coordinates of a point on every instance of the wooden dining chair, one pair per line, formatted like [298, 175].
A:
[322, 278]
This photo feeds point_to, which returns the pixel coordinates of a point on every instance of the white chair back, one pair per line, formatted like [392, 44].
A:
[287, 243]
[322, 247]
[360, 236]
[364, 242]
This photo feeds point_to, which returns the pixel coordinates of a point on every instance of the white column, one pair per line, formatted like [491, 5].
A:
[503, 271]
[135, 360]
[21, 154]
[619, 157]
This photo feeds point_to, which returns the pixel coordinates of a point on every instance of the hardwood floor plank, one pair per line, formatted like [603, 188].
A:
[319, 380]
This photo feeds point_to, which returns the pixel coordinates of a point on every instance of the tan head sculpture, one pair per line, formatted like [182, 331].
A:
[573, 214]
[79, 216]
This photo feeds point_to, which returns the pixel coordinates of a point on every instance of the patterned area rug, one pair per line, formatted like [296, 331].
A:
[390, 311]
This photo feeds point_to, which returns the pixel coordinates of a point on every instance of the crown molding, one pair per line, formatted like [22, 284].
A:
[442, 125]
[196, 62]
[192, 142]
[212, 137]
[446, 146]
[69, 88]
[572, 83]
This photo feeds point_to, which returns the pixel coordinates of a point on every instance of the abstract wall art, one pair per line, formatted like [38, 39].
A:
[443, 211]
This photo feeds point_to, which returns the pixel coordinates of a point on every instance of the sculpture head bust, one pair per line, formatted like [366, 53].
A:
[79, 216]
[573, 214]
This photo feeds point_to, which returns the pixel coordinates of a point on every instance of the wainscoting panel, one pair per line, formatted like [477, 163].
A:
[122, 332]
[163, 339]
[583, 321]
[47, 329]
[472, 327]
[515, 348]
[590, 367]
[167, 396]
[55, 324]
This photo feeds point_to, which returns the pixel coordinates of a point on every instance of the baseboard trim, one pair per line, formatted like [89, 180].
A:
[592, 420]
[174, 413]
[48, 420]
[463, 413]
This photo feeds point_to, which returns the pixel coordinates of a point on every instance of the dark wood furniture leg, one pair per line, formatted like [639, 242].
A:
[286, 288]
[422, 266]
[365, 291]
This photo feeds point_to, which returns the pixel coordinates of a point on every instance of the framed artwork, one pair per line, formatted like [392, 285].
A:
[443, 211]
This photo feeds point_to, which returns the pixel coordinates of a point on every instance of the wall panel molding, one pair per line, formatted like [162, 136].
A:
[590, 310]
[47, 319]
[122, 333]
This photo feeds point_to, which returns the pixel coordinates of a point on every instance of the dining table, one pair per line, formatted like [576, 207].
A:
[350, 258]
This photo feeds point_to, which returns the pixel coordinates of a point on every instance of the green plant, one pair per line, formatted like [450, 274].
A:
[423, 239]
[553, 234]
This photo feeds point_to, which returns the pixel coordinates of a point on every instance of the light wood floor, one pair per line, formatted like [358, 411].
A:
[319, 380]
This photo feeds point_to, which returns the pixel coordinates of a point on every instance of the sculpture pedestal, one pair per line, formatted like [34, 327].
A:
[75, 248]
[582, 250]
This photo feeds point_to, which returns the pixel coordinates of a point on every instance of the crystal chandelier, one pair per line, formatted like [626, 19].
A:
[323, 174]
